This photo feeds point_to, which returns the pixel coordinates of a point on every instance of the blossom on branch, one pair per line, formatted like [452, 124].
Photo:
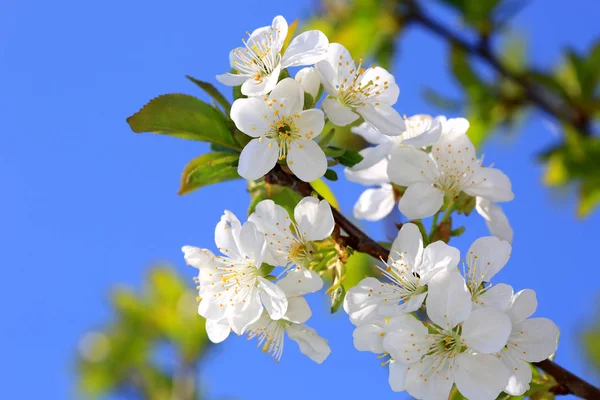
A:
[374, 203]
[281, 131]
[258, 64]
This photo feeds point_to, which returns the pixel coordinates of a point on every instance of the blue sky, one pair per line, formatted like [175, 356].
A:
[86, 203]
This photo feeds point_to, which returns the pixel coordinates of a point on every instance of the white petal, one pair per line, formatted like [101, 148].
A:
[310, 123]
[306, 160]
[252, 243]
[486, 330]
[495, 219]
[227, 234]
[538, 340]
[298, 310]
[420, 200]
[314, 218]
[335, 67]
[338, 113]
[375, 204]
[409, 165]
[244, 313]
[299, 281]
[271, 218]
[217, 330]
[382, 77]
[375, 175]
[199, 258]
[384, 118]
[373, 155]
[370, 134]
[258, 158]
[409, 343]
[413, 304]
[369, 337]
[448, 300]
[249, 116]
[480, 377]
[498, 296]
[281, 27]
[252, 87]
[491, 184]
[310, 80]
[229, 79]
[397, 378]
[307, 48]
[422, 131]
[273, 298]
[430, 379]
[362, 302]
[287, 97]
[407, 248]
[210, 309]
[487, 256]
[522, 305]
[311, 344]
[437, 257]
[520, 374]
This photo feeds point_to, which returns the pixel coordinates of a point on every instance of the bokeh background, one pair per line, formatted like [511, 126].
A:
[87, 206]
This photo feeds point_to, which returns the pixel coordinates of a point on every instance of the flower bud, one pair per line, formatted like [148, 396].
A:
[310, 81]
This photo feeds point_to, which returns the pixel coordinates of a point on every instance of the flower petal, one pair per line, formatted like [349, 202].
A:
[448, 300]
[258, 158]
[487, 256]
[522, 305]
[420, 200]
[495, 219]
[229, 79]
[423, 383]
[369, 337]
[298, 310]
[370, 134]
[486, 330]
[306, 160]
[227, 234]
[397, 377]
[520, 374]
[249, 116]
[217, 330]
[375, 204]
[244, 313]
[311, 344]
[380, 76]
[373, 155]
[407, 248]
[310, 80]
[480, 376]
[336, 66]
[338, 113]
[422, 131]
[498, 296]
[314, 218]
[409, 165]
[408, 343]
[384, 118]
[271, 219]
[299, 281]
[310, 123]
[438, 256]
[281, 27]
[375, 175]
[252, 87]
[287, 97]
[273, 298]
[491, 184]
[210, 309]
[362, 302]
[536, 339]
[307, 48]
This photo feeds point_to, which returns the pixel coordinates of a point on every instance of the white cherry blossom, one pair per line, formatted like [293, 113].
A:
[495, 219]
[354, 92]
[310, 80]
[409, 269]
[421, 131]
[290, 243]
[260, 61]
[231, 289]
[270, 333]
[457, 348]
[281, 130]
[450, 168]
[374, 203]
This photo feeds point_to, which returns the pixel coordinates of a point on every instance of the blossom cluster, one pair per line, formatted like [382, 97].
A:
[434, 326]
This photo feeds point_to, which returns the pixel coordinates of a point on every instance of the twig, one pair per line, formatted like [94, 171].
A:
[359, 241]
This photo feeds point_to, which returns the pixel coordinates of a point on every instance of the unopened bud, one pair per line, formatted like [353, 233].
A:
[310, 81]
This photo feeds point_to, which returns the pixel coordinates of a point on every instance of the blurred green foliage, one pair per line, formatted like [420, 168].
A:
[121, 356]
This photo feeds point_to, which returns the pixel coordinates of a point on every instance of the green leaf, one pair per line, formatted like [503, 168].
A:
[309, 101]
[350, 158]
[331, 175]
[208, 169]
[325, 138]
[333, 151]
[325, 192]
[212, 92]
[185, 117]
[337, 298]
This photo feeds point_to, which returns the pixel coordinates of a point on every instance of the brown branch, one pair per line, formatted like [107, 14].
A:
[546, 101]
[568, 383]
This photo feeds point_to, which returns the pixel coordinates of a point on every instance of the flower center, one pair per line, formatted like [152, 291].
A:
[260, 56]
[357, 87]
[300, 253]
[455, 172]
[403, 276]
[284, 131]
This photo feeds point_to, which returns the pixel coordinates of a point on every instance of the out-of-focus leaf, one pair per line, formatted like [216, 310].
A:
[358, 267]
[331, 175]
[185, 117]
[290, 35]
[325, 191]
[349, 158]
[212, 92]
[208, 169]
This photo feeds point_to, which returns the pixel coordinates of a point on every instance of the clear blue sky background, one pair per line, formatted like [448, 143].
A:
[86, 203]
